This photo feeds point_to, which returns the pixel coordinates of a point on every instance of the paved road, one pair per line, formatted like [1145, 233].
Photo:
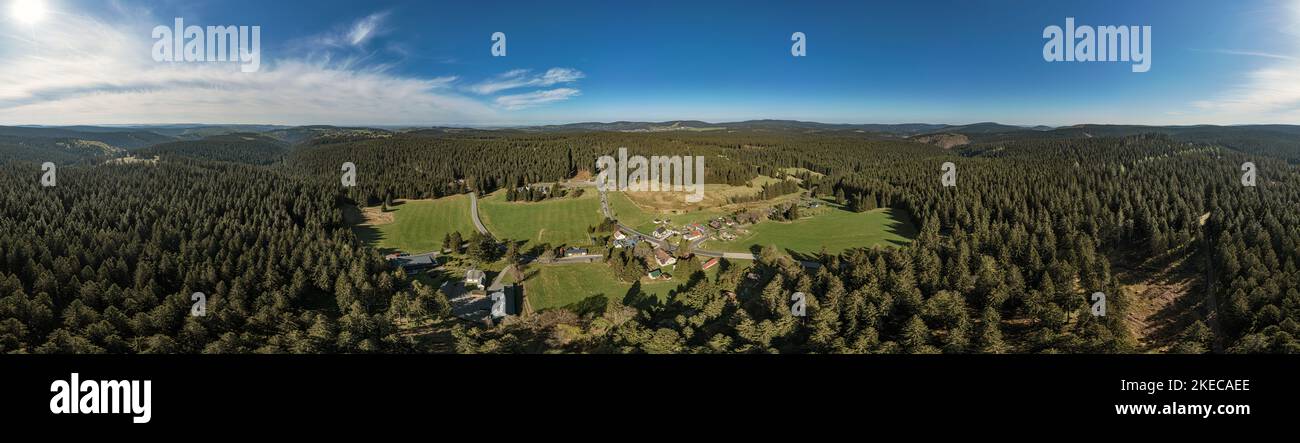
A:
[473, 212]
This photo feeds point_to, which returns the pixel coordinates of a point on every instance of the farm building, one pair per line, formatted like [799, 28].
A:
[506, 302]
[413, 263]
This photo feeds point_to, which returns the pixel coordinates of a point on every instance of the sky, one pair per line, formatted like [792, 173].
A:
[430, 63]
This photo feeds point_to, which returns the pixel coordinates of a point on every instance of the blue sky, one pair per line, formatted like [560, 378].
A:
[429, 63]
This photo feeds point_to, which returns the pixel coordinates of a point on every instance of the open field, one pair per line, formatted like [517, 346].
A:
[560, 221]
[639, 210]
[836, 229]
[715, 196]
[642, 220]
[555, 286]
[413, 226]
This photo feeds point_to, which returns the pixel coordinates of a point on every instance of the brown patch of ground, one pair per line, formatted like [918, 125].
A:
[1162, 299]
[374, 216]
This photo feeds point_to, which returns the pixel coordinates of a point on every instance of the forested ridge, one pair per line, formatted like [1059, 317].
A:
[1004, 262]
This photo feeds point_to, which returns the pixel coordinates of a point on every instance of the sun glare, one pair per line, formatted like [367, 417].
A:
[28, 11]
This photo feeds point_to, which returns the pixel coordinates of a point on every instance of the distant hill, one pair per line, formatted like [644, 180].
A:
[125, 138]
[299, 134]
[750, 125]
[943, 140]
[57, 150]
[246, 148]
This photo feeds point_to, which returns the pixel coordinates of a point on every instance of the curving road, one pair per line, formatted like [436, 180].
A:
[473, 212]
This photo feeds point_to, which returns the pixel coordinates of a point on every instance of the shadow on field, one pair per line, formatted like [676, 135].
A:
[594, 305]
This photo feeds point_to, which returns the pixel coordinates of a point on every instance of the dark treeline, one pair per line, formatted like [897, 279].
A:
[107, 262]
[1004, 262]
[250, 149]
[436, 164]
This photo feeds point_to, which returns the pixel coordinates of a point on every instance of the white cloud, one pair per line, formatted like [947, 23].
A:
[366, 28]
[79, 70]
[1269, 93]
[1256, 54]
[537, 98]
[520, 78]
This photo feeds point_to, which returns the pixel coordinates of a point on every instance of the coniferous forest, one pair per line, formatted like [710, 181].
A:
[1005, 261]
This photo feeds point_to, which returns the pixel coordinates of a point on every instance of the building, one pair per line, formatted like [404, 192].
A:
[575, 252]
[711, 263]
[694, 234]
[414, 263]
[659, 274]
[506, 302]
[664, 258]
[475, 277]
[663, 233]
[619, 235]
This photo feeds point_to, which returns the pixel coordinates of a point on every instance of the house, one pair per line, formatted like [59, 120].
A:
[575, 252]
[663, 233]
[664, 258]
[619, 235]
[715, 224]
[711, 263]
[475, 277]
[694, 234]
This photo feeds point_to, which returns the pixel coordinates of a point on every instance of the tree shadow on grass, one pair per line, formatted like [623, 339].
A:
[372, 237]
[595, 305]
[640, 300]
[901, 225]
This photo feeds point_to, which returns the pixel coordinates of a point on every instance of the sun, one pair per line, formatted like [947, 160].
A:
[28, 11]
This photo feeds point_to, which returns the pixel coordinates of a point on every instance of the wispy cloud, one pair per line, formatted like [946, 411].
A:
[523, 78]
[1255, 54]
[1269, 93]
[366, 28]
[82, 70]
[533, 99]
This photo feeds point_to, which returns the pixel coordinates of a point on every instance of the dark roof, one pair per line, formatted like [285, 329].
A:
[414, 261]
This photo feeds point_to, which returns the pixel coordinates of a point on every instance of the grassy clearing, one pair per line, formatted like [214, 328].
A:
[642, 220]
[556, 286]
[561, 221]
[835, 229]
[413, 226]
